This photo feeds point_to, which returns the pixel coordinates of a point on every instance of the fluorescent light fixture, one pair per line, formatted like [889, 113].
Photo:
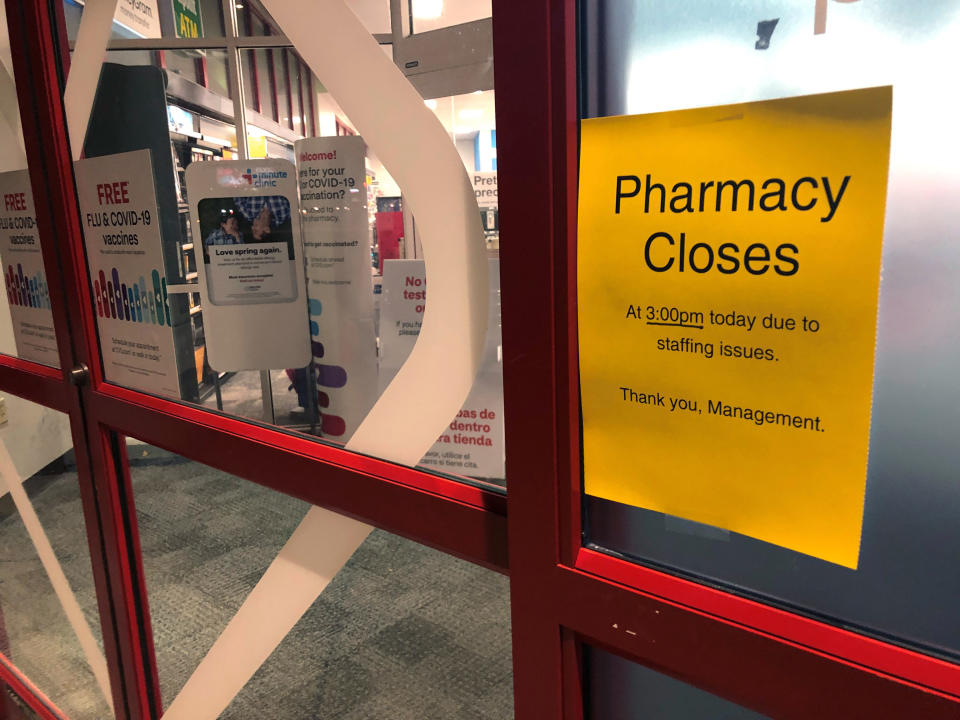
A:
[427, 9]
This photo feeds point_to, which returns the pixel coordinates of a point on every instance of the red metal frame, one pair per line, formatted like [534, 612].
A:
[116, 577]
[300, 85]
[28, 692]
[563, 596]
[285, 61]
[271, 66]
[313, 104]
[464, 520]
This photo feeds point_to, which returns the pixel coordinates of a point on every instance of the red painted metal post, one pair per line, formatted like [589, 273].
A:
[37, 64]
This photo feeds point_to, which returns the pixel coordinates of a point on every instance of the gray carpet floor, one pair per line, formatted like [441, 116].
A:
[403, 632]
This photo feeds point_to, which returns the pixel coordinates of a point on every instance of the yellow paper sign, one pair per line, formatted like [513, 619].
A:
[728, 271]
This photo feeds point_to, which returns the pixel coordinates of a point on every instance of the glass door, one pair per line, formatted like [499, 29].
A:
[244, 220]
[703, 531]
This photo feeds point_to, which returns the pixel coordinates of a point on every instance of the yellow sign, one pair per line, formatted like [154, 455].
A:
[728, 271]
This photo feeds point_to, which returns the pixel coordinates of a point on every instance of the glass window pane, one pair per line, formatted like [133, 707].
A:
[324, 381]
[153, 19]
[284, 96]
[250, 80]
[664, 56]
[35, 634]
[426, 15]
[26, 320]
[187, 64]
[617, 689]
[374, 14]
[217, 72]
[400, 629]
[267, 82]
[296, 93]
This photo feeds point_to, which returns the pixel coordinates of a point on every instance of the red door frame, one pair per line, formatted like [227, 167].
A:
[464, 520]
[563, 595]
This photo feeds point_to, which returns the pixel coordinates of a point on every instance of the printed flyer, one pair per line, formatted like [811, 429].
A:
[118, 206]
[23, 274]
[728, 276]
[247, 244]
[473, 441]
[336, 244]
[248, 255]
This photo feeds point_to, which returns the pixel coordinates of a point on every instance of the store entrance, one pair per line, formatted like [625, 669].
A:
[261, 405]
[227, 265]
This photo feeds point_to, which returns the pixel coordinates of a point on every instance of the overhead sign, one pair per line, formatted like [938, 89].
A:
[186, 17]
[728, 272]
[141, 17]
[118, 204]
[137, 18]
[23, 274]
[336, 245]
[250, 258]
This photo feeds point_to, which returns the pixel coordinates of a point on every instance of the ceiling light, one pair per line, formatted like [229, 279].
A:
[427, 9]
[432, 104]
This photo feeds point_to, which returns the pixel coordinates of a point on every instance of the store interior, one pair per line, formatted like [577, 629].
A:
[283, 101]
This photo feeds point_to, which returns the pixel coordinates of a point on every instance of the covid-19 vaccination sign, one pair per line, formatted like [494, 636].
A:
[118, 207]
[728, 276]
[23, 275]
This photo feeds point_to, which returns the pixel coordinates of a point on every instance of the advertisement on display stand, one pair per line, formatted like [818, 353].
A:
[118, 206]
[472, 443]
[250, 258]
[23, 274]
[336, 245]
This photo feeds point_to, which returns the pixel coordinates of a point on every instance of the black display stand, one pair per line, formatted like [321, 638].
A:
[130, 113]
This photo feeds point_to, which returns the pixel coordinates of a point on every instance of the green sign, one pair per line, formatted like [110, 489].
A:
[186, 16]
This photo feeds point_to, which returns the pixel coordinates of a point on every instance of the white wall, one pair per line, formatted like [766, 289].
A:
[465, 146]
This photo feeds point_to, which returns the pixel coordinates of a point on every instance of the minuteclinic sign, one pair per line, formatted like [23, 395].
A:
[728, 275]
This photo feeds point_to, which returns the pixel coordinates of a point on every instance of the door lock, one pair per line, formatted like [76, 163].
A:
[80, 375]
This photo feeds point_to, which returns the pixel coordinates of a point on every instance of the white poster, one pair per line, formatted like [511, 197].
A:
[472, 443]
[140, 17]
[485, 188]
[336, 244]
[250, 262]
[118, 204]
[23, 273]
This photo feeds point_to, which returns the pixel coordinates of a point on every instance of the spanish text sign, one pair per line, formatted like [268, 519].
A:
[728, 272]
